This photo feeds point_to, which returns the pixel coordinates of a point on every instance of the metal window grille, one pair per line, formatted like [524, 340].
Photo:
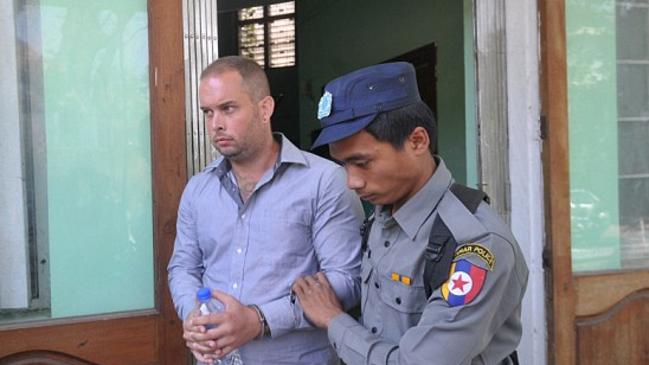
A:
[201, 48]
[267, 34]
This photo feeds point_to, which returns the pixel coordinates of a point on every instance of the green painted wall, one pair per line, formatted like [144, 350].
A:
[471, 132]
[96, 99]
[336, 37]
[592, 115]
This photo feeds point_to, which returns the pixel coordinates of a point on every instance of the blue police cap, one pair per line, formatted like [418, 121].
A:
[352, 101]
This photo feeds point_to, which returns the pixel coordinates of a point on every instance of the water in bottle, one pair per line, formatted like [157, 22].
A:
[208, 305]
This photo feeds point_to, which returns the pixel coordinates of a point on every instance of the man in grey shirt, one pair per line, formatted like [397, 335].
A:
[442, 277]
[255, 220]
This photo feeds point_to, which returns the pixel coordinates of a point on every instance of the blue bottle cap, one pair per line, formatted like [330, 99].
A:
[204, 294]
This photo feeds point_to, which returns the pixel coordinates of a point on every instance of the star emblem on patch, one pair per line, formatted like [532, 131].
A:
[460, 283]
[464, 283]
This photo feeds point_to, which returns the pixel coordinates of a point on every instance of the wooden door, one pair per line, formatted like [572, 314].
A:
[595, 316]
[138, 337]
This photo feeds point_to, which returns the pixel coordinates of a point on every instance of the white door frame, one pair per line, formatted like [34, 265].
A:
[508, 118]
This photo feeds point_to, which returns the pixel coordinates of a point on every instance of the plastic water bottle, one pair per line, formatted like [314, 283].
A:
[207, 305]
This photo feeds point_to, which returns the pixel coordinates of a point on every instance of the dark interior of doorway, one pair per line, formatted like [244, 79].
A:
[285, 83]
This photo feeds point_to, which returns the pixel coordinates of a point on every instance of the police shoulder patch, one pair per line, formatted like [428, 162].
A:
[478, 250]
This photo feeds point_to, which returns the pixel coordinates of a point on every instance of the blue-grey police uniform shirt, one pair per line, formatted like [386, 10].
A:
[473, 318]
[300, 219]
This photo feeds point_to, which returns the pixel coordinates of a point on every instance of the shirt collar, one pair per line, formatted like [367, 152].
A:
[289, 153]
[412, 215]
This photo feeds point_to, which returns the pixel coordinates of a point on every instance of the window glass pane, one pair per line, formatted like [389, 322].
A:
[282, 42]
[633, 90]
[631, 43]
[82, 84]
[282, 8]
[634, 148]
[256, 12]
[251, 42]
[608, 94]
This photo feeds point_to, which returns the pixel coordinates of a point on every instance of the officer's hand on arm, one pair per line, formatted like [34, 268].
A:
[317, 299]
[196, 338]
[234, 327]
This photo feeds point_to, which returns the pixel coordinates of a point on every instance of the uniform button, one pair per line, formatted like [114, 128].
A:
[386, 244]
[238, 250]
[376, 285]
[373, 330]
[398, 300]
[235, 285]
[243, 215]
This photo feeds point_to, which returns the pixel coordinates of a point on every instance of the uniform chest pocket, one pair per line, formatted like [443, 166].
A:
[403, 298]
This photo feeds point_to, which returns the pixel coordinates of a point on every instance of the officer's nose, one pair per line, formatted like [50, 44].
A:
[354, 181]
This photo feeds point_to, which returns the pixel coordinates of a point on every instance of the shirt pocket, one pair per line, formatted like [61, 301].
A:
[401, 297]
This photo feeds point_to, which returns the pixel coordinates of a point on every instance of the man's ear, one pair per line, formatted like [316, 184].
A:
[266, 107]
[419, 141]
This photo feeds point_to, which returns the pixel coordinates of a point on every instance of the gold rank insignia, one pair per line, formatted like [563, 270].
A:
[407, 280]
[478, 250]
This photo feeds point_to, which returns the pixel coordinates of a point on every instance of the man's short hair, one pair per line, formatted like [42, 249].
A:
[394, 126]
[254, 78]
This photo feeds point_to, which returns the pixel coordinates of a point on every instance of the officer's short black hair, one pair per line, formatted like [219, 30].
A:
[394, 126]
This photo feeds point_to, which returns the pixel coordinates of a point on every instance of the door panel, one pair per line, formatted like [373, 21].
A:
[595, 173]
[116, 341]
[151, 336]
[42, 358]
[617, 335]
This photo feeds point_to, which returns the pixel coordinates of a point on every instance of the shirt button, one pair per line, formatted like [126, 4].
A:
[243, 216]
[235, 285]
[376, 285]
[373, 330]
[239, 250]
[398, 300]
[386, 243]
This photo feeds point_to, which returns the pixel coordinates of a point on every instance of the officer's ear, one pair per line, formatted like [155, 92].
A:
[419, 141]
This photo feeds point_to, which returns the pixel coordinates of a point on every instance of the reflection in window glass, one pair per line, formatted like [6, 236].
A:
[608, 94]
[80, 172]
[632, 21]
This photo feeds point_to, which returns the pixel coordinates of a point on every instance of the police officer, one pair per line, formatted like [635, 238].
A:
[442, 275]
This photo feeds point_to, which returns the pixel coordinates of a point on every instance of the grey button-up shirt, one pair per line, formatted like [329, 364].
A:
[300, 219]
[399, 324]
